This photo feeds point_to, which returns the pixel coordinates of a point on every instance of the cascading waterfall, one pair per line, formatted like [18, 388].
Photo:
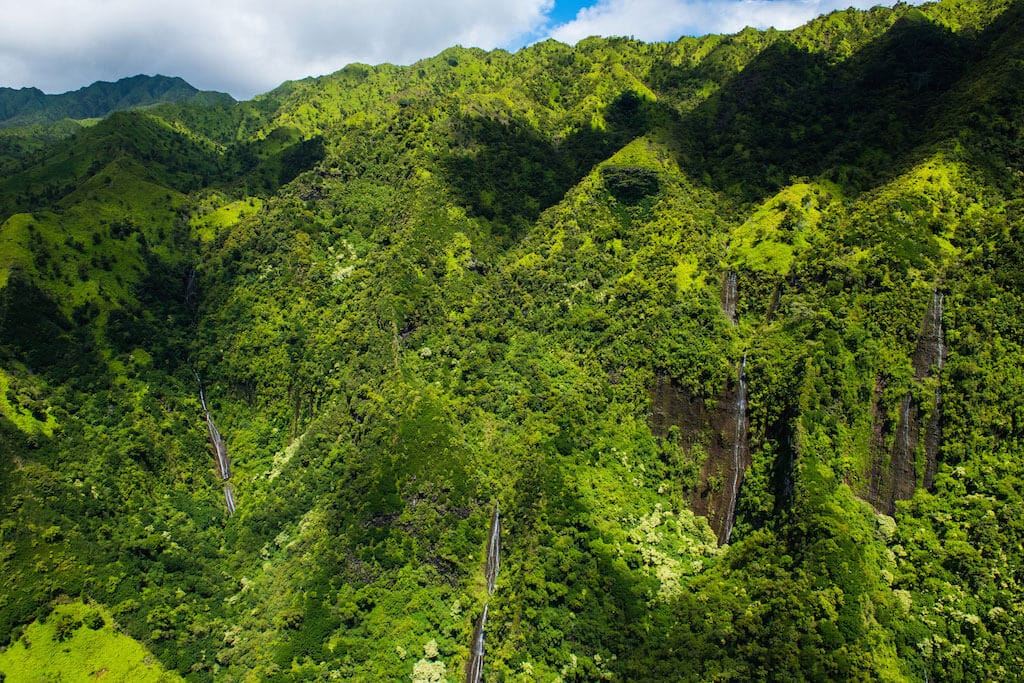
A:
[475, 670]
[475, 666]
[220, 450]
[902, 465]
[737, 447]
[191, 282]
[928, 359]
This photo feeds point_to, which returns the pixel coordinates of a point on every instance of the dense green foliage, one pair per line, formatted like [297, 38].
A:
[413, 292]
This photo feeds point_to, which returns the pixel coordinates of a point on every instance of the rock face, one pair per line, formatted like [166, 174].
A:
[929, 358]
[717, 436]
[894, 472]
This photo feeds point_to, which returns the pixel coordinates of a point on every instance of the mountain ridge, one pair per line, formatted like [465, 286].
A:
[738, 356]
[29, 105]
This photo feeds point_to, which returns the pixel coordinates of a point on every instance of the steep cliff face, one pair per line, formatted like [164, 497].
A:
[714, 436]
[929, 359]
[899, 464]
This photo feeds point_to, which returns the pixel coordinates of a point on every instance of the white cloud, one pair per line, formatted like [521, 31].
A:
[669, 19]
[250, 46]
[242, 46]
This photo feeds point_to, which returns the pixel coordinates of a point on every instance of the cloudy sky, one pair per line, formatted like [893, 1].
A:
[249, 46]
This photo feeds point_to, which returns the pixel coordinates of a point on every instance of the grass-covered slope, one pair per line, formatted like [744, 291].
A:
[727, 328]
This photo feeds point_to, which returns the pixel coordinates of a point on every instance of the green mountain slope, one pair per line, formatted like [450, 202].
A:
[30, 105]
[31, 121]
[727, 329]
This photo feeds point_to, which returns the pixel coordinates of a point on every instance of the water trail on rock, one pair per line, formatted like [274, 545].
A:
[475, 666]
[493, 551]
[730, 295]
[933, 431]
[737, 448]
[220, 450]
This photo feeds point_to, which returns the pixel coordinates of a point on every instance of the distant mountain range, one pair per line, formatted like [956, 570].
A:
[25, 106]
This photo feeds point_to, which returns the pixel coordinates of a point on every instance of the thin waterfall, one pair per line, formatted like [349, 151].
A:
[905, 423]
[190, 286]
[229, 498]
[475, 669]
[928, 359]
[730, 295]
[902, 466]
[737, 448]
[493, 551]
[219, 447]
[475, 666]
[933, 431]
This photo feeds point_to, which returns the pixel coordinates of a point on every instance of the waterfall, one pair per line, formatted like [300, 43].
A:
[928, 359]
[229, 498]
[220, 450]
[902, 466]
[905, 423]
[190, 286]
[475, 666]
[475, 669]
[493, 551]
[933, 431]
[737, 447]
[729, 295]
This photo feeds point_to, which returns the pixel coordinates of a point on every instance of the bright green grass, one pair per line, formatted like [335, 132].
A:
[86, 655]
[68, 273]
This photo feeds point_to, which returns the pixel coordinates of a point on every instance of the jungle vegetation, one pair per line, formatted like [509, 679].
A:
[730, 328]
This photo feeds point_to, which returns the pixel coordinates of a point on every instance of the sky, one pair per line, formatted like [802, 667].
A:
[246, 47]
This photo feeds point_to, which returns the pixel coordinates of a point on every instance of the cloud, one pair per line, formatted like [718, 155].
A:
[669, 19]
[242, 46]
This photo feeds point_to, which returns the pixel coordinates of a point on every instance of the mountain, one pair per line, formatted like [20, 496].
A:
[31, 121]
[30, 105]
[686, 361]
